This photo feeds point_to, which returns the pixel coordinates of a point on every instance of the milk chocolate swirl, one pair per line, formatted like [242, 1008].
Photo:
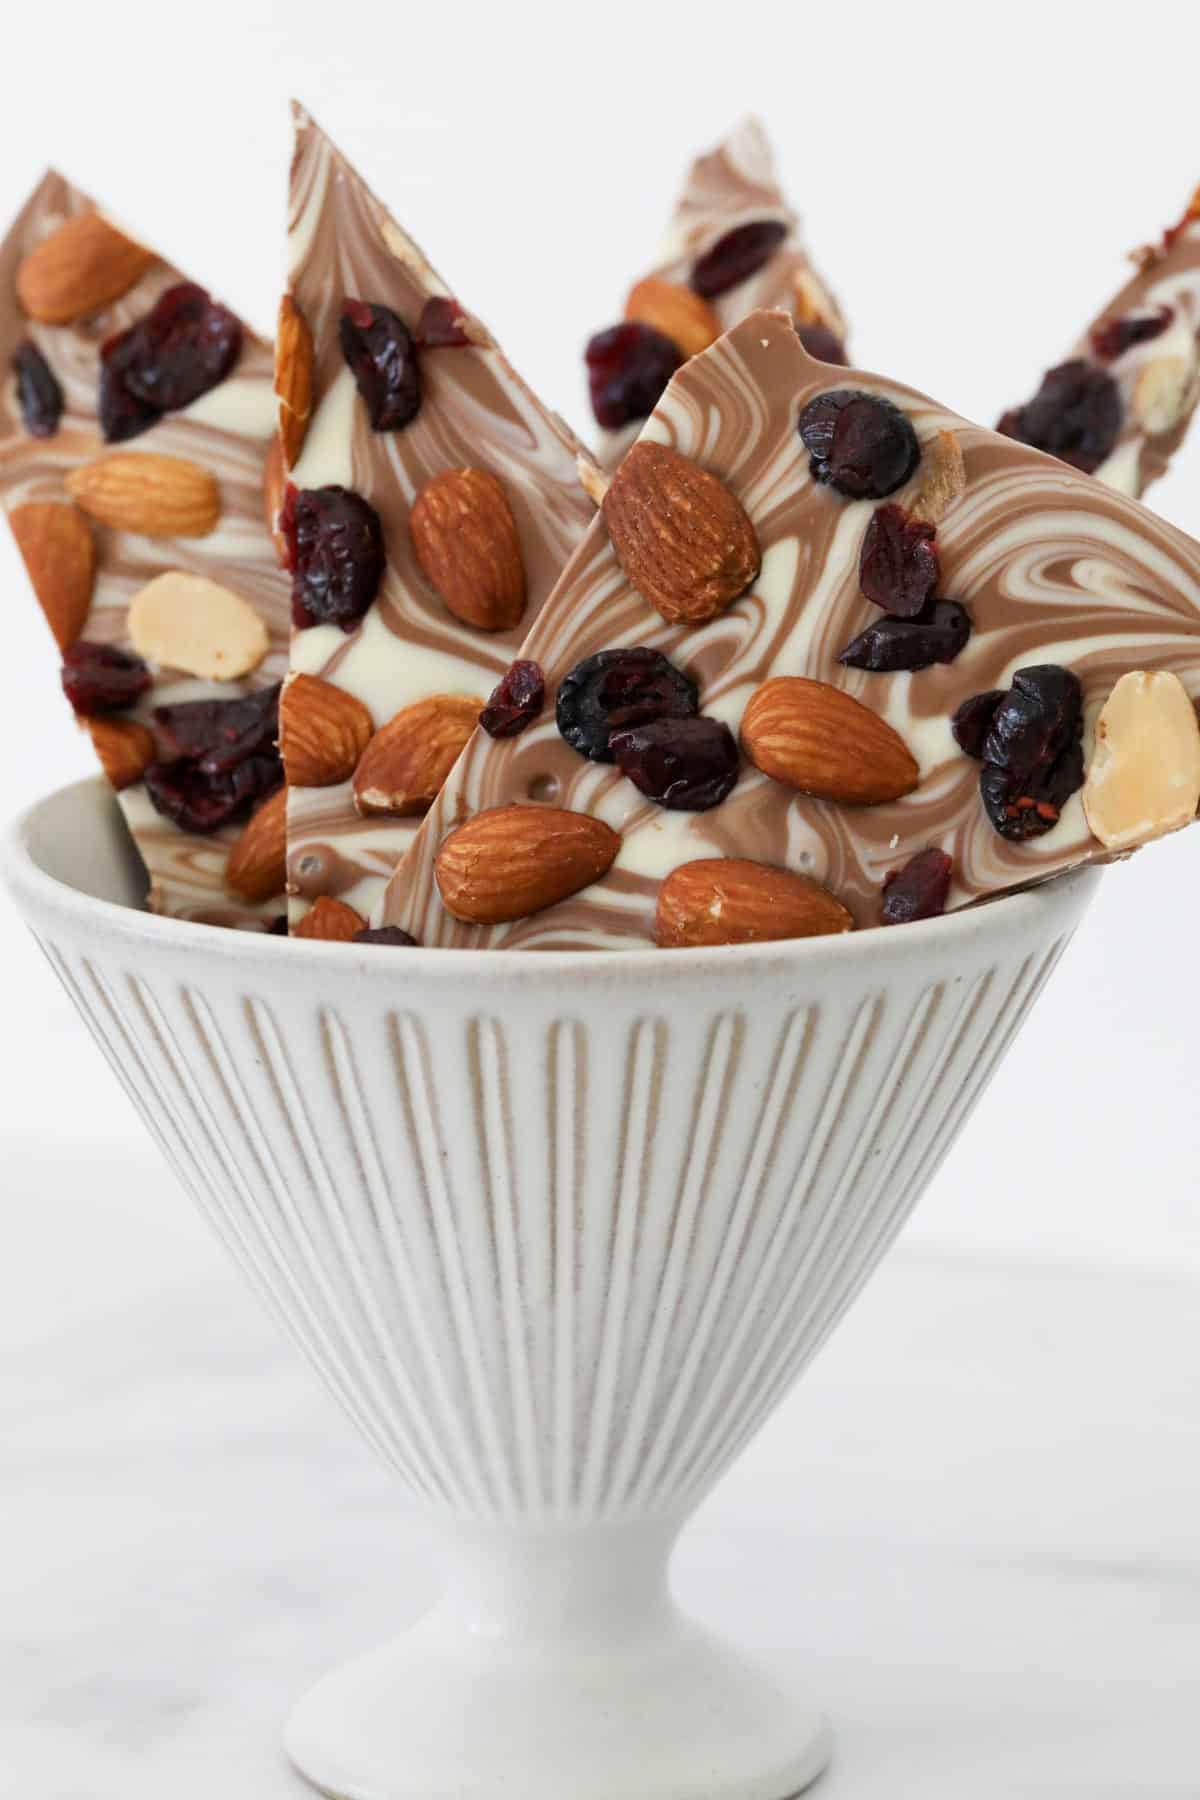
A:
[476, 412]
[225, 431]
[1053, 566]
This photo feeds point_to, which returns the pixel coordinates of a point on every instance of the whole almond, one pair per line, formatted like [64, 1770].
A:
[158, 496]
[729, 900]
[293, 379]
[188, 622]
[465, 539]
[60, 554]
[275, 483]
[323, 731]
[511, 861]
[409, 758]
[332, 920]
[82, 267]
[822, 741]
[125, 748]
[681, 315]
[680, 535]
[256, 869]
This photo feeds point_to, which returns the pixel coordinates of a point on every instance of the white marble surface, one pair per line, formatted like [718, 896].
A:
[977, 1521]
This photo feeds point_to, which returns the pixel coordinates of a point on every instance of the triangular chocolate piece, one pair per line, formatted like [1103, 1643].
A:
[118, 363]
[458, 495]
[1025, 590]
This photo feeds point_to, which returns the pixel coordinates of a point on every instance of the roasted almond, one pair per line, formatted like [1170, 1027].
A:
[60, 554]
[293, 379]
[511, 861]
[158, 496]
[409, 758]
[729, 900]
[323, 731]
[591, 479]
[465, 539]
[188, 622]
[943, 478]
[274, 490]
[681, 315]
[82, 267]
[332, 920]
[256, 869]
[680, 535]
[815, 738]
[125, 748]
[1144, 776]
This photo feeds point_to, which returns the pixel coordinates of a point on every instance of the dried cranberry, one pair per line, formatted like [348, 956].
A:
[615, 689]
[687, 765]
[278, 927]
[120, 413]
[337, 557]
[184, 346]
[38, 391]
[195, 800]
[1075, 415]
[516, 701]
[822, 343]
[898, 566]
[934, 635]
[861, 444]
[386, 934]
[441, 326]
[219, 734]
[735, 257]
[382, 358]
[1114, 336]
[628, 367]
[918, 890]
[1033, 754]
[973, 720]
[99, 678]
[285, 525]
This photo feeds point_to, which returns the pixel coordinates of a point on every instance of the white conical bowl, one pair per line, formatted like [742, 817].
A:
[558, 1231]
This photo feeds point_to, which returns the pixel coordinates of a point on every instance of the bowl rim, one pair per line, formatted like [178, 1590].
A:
[35, 891]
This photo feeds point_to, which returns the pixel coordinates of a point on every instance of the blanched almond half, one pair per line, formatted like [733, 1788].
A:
[187, 622]
[1164, 392]
[1144, 777]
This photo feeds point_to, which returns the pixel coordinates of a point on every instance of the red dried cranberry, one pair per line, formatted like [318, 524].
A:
[120, 413]
[219, 734]
[616, 689]
[973, 720]
[860, 444]
[1114, 336]
[184, 346]
[628, 367]
[286, 526]
[1075, 415]
[918, 890]
[898, 566]
[386, 934]
[822, 343]
[195, 800]
[1033, 754]
[337, 557]
[382, 358]
[440, 326]
[687, 765]
[99, 678]
[735, 257]
[38, 391]
[936, 634]
[516, 701]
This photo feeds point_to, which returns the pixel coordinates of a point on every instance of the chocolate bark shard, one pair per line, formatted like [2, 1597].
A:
[225, 432]
[1121, 402]
[729, 189]
[463, 408]
[1055, 568]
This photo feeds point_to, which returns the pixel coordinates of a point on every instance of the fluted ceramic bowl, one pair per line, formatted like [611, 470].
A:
[558, 1231]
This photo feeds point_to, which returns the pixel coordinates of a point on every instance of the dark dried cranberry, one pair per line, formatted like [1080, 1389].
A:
[898, 566]
[628, 367]
[184, 346]
[336, 542]
[120, 413]
[38, 391]
[687, 765]
[516, 701]
[285, 525]
[382, 358]
[822, 343]
[278, 927]
[99, 678]
[1112, 337]
[440, 326]
[1075, 415]
[219, 734]
[1033, 754]
[386, 934]
[615, 689]
[195, 800]
[735, 257]
[935, 635]
[973, 720]
[861, 444]
[918, 890]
